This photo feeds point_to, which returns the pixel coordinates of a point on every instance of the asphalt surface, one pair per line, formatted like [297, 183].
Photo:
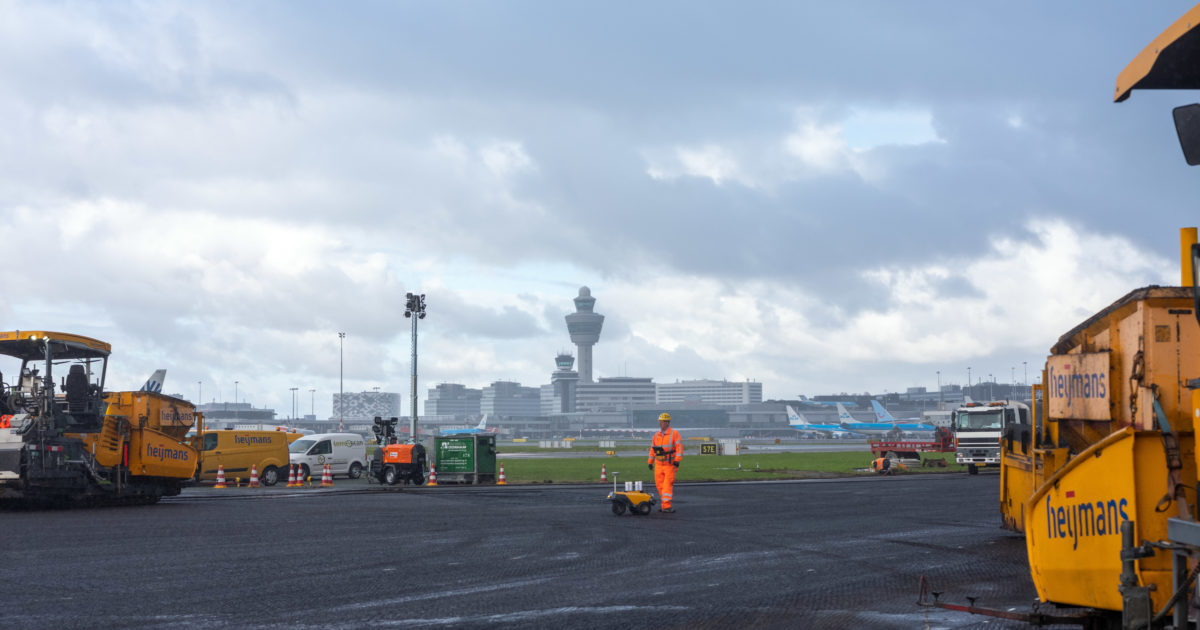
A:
[841, 553]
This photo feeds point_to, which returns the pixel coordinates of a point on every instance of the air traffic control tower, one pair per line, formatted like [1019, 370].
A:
[564, 381]
[584, 326]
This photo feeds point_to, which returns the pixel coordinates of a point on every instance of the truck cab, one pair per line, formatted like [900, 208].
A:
[978, 428]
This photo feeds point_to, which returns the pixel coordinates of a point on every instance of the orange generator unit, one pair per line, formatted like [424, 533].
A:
[396, 463]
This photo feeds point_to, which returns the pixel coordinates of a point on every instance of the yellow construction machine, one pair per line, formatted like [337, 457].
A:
[70, 442]
[1103, 483]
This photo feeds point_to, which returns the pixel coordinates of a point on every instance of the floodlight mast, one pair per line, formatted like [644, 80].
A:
[415, 305]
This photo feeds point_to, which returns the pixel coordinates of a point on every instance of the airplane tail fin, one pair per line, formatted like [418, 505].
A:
[155, 382]
[482, 423]
[794, 418]
[881, 413]
[843, 415]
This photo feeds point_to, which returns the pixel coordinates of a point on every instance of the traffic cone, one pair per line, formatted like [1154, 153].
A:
[253, 476]
[432, 476]
[292, 477]
[327, 477]
[603, 473]
[220, 477]
[501, 481]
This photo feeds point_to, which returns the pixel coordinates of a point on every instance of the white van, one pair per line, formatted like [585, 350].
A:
[346, 453]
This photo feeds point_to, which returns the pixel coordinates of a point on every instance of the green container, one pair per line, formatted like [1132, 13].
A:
[465, 458]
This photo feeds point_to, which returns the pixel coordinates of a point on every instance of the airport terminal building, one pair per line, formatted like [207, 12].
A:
[710, 392]
[506, 398]
[453, 399]
[365, 405]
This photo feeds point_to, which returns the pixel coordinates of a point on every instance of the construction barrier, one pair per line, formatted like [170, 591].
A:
[220, 477]
[501, 481]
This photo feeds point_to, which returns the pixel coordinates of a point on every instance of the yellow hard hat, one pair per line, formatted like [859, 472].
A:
[665, 416]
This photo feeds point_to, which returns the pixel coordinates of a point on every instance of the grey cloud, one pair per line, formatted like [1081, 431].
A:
[458, 316]
[318, 115]
[958, 286]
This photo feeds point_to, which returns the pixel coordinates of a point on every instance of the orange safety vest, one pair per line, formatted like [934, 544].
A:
[671, 444]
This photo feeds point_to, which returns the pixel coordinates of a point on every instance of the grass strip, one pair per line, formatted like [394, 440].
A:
[709, 467]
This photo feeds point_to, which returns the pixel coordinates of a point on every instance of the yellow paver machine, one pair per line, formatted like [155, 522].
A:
[64, 440]
[1103, 482]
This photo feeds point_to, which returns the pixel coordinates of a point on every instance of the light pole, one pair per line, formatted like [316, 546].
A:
[294, 405]
[1025, 366]
[968, 381]
[414, 306]
[313, 403]
[940, 405]
[199, 401]
[991, 381]
[235, 407]
[341, 380]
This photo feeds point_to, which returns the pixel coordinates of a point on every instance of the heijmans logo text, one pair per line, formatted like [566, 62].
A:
[163, 453]
[1085, 519]
[1072, 385]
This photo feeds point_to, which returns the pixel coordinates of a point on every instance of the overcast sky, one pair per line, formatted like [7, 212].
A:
[823, 197]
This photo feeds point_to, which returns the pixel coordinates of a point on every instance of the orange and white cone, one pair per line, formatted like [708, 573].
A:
[501, 481]
[253, 476]
[432, 476]
[603, 473]
[220, 477]
[292, 477]
[327, 477]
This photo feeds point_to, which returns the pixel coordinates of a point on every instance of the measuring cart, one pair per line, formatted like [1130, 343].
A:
[636, 501]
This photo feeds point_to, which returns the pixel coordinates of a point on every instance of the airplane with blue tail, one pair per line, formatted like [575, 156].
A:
[482, 428]
[155, 382]
[887, 424]
[800, 423]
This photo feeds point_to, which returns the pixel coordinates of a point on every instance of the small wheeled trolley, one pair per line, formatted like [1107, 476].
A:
[633, 501]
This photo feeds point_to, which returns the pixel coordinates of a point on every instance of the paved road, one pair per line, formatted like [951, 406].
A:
[843, 553]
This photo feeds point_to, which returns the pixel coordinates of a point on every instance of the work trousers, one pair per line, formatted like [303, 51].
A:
[664, 480]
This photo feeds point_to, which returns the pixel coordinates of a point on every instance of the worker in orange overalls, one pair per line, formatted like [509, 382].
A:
[882, 465]
[666, 451]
